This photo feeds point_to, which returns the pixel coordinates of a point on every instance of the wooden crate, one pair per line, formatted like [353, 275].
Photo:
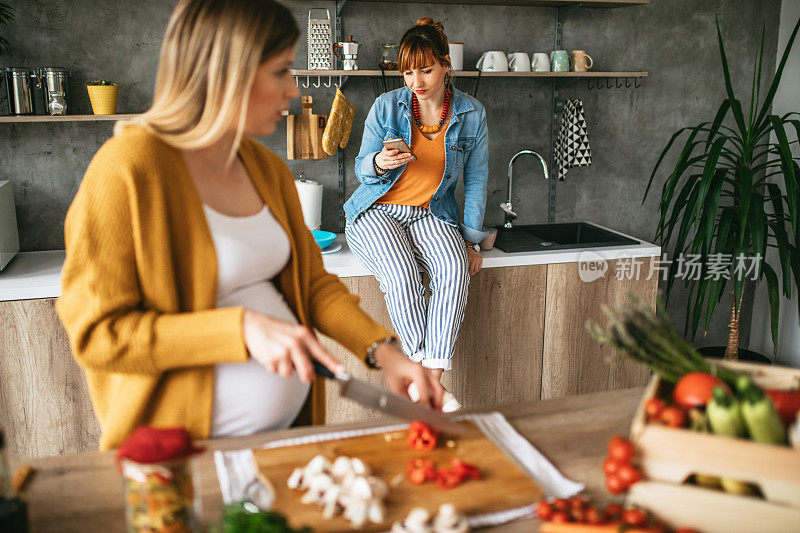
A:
[668, 457]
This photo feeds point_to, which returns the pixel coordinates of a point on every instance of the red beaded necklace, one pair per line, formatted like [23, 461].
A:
[418, 121]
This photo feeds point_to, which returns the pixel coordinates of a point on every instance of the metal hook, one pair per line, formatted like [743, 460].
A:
[636, 83]
[296, 81]
[319, 82]
[608, 83]
[327, 85]
[619, 86]
[589, 84]
[307, 83]
[627, 83]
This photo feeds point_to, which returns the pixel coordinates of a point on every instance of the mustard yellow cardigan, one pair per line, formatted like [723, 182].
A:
[139, 285]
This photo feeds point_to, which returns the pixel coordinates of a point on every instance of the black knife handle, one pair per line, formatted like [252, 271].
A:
[322, 370]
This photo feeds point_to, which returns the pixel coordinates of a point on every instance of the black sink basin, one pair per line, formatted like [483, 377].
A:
[559, 236]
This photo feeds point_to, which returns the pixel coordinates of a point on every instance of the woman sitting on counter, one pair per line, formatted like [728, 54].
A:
[403, 218]
[191, 285]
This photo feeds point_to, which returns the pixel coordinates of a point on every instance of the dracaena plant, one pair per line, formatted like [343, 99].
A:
[6, 16]
[723, 196]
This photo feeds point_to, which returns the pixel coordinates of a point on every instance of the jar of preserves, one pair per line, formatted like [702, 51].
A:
[388, 57]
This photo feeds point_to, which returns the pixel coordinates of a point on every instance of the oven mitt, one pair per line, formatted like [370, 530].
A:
[340, 123]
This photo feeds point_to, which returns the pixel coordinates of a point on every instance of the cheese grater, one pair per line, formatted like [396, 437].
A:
[320, 41]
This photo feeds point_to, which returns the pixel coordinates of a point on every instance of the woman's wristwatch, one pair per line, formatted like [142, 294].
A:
[370, 360]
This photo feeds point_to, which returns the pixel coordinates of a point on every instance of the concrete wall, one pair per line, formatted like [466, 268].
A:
[674, 40]
[786, 100]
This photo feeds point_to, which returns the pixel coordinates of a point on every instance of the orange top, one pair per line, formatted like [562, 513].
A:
[420, 179]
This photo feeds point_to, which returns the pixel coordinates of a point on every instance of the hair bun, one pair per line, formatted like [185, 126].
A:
[439, 25]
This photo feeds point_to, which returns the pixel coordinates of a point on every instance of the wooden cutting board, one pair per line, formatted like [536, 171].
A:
[504, 485]
[304, 133]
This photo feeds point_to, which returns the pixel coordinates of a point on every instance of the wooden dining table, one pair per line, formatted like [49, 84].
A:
[83, 492]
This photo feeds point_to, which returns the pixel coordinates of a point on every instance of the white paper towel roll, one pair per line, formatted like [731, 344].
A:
[310, 193]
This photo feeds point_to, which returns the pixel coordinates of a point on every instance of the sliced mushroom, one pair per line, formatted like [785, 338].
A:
[449, 520]
[359, 468]
[342, 467]
[317, 486]
[330, 501]
[377, 512]
[360, 489]
[379, 487]
[318, 464]
[296, 478]
[417, 516]
[357, 512]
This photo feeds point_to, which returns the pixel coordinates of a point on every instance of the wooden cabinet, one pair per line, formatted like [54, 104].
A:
[44, 403]
[523, 339]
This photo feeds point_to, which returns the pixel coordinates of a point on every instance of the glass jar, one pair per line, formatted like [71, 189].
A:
[160, 497]
[388, 57]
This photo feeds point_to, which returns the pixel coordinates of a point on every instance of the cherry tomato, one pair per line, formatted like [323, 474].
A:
[614, 441]
[615, 485]
[653, 408]
[694, 389]
[594, 517]
[629, 475]
[612, 511]
[560, 517]
[561, 504]
[465, 470]
[673, 417]
[622, 451]
[610, 466]
[634, 517]
[544, 510]
[578, 502]
[447, 479]
[578, 515]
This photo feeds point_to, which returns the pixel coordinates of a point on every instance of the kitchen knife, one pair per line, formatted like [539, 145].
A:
[387, 402]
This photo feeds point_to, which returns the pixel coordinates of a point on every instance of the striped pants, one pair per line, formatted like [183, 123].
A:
[395, 242]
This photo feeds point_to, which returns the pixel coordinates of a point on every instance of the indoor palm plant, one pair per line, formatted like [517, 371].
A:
[6, 16]
[722, 198]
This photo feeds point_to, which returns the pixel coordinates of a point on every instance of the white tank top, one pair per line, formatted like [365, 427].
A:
[251, 251]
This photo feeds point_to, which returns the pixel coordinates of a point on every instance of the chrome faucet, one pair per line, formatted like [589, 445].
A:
[510, 215]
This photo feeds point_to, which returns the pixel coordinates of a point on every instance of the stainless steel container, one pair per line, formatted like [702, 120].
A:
[19, 87]
[54, 82]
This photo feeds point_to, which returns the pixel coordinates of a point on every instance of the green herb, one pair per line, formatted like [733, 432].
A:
[6, 16]
[101, 82]
[244, 517]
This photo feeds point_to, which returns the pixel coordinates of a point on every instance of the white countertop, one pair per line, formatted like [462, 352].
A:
[33, 275]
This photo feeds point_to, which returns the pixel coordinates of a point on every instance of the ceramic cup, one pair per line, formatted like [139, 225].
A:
[581, 61]
[559, 61]
[456, 56]
[493, 61]
[519, 62]
[540, 62]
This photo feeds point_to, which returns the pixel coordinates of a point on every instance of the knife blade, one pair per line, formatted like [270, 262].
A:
[388, 402]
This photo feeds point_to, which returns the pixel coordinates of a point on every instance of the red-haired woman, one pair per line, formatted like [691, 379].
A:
[404, 217]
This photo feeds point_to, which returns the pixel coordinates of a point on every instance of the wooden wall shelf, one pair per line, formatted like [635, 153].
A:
[474, 73]
[551, 3]
[64, 118]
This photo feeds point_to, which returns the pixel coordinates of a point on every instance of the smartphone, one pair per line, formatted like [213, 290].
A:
[399, 145]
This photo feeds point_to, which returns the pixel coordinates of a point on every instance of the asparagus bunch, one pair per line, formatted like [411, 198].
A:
[649, 338]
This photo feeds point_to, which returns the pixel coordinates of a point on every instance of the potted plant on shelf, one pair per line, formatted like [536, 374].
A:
[6, 16]
[103, 95]
[719, 203]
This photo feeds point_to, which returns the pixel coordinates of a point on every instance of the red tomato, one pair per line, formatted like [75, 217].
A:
[560, 517]
[447, 479]
[561, 504]
[634, 517]
[578, 515]
[653, 408]
[622, 451]
[614, 441]
[594, 517]
[612, 511]
[610, 466]
[465, 470]
[629, 475]
[694, 389]
[544, 511]
[787, 403]
[615, 485]
[673, 417]
[578, 502]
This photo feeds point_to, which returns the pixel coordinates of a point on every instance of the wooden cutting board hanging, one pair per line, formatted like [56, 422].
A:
[304, 133]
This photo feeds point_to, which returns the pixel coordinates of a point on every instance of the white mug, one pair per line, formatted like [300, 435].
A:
[541, 62]
[456, 56]
[493, 61]
[519, 62]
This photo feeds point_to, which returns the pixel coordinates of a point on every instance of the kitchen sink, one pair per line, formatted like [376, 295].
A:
[557, 236]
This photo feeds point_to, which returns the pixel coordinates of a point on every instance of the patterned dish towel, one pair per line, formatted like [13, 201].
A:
[340, 123]
[572, 144]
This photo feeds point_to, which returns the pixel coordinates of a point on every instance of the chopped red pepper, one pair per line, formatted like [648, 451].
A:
[465, 470]
[447, 478]
[420, 470]
[421, 436]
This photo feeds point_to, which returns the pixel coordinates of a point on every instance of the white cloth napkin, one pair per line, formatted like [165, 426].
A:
[238, 478]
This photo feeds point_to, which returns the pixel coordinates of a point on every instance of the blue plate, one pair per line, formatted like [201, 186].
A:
[323, 238]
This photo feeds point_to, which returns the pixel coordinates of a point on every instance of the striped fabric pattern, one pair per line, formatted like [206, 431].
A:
[397, 242]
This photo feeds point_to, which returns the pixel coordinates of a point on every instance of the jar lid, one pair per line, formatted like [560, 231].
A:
[56, 69]
[19, 70]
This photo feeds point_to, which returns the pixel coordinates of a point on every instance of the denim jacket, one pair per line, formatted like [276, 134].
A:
[466, 151]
